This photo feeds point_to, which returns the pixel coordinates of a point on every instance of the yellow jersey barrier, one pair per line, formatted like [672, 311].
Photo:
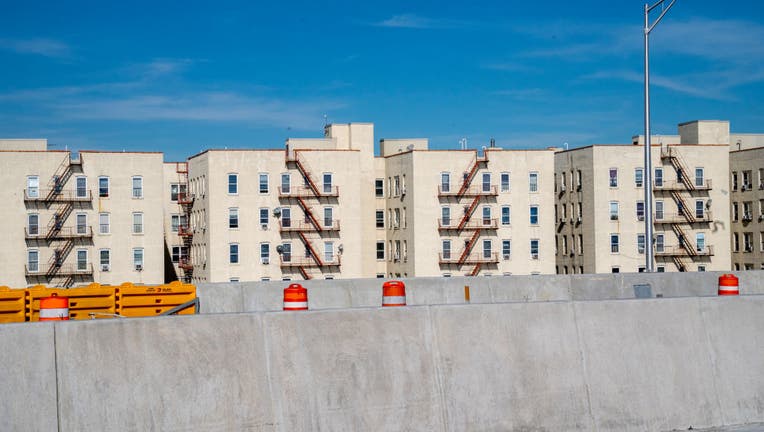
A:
[97, 301]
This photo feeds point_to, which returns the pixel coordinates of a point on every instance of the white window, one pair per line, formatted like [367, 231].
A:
[33, 187]
[445, 216]
[103, 223]
[264, 217]
[699, 177]
[286, 183]
[397, 218]
[487, 248]
[613, 210]
[33, 224]
[381, 250]
[506, 249]
[486, 215]
[286, 217]
[640, 210]
[263, 183]
[638, 177]
[138, 259]
[446, 249]
[659, 243]
[379, 188]
[265, 253]
[699, 209]
[329, 251]
[82, 223]
[397, 185]
[533, 182]
[103, 187]
[534, 215]
[233, 218]
[613, 175]
[104, 259]
[137, 223]
[505, 215]
[535, 249]
[658, 210]
[659, 177]
[286, 252]
[380, 218]
[233, 253]
[33, 261]
[233, 184]
[700, 242]
[137, 187]
[445, 182]
[486, 182]
[328, 217]
[505, 182]
[614, 243]
[82, 259]
[174, 222]
[640, 243]
[327, 183]
[81, 186]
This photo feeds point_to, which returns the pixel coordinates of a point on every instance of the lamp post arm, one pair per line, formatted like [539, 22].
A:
[660, 17]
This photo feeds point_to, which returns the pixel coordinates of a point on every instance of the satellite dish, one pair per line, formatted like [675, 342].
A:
[280, 249]
[277, 212]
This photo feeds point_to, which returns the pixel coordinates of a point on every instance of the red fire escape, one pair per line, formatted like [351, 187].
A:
[310, 223]
[466, 223]
[57, 234]
[186, 203]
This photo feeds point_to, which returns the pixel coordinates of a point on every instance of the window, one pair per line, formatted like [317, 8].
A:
[446, 249]
[175, 256]
[397, 185]
[613, 175]
[445, 182]
[581, 245]
[534, 249]
[487, 248]
[397, 218]
[761, 241]
[264, 217]
[505, 182]
[233, 253]
[699, 209]
[640, 210]
[486, 182]
[174, 222]
[534, 215]
[33, 261]
[505, 215]
[640, 243]
[379, 188]
[699, 180]
[639, 177]
[103, 223]
[658, 210]
[660, 269]
[615, 270]
[233, 184]
[700, 242]
[137, 223]
[33, 224]
[82, 223]
[81, 186]
[233, 217]
[614, 243]
[486, 215]
[747, 179]
[286, 183]
[137, 187]
[747, 241]
[564, 245]
[265, 253]
[82, 259]
[327, 183]
[747, 212]
[659, 243]
[734, 180]
[286, 217]
[138, 259]
[563, 181]
[659, 177]
[613, 210]
[380, 218]
[735, 242]
[564, 211]
[328, 219]
[381, 250]
[533, 182]
[286, 252]
[735, 213]
[506, 249]
[263, 183]
[104, 258]
[33, 187]
[329, 251]
[103, 187]
[701, 268]
[445, 216]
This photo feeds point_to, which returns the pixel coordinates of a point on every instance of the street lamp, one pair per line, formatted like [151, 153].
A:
[649, 253]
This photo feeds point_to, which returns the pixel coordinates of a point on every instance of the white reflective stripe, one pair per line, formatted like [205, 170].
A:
[54, 313]
[732, 289]
[294, 304]
[394, 300]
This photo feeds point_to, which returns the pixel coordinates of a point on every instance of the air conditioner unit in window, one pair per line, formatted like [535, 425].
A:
[396, 258]
[761, 186]
[744, 188]
[761, 217]
[562, 220]
[641, 217]
[264, 226]
[266, 261]
[104, 267]
[562, 188]
[403, 191]
[749, 248]
[578, 188]
[578, 219]
[747, 217]
[572, 220]
[506, 256]
[613, 217]
[535, 256]
[138, 267]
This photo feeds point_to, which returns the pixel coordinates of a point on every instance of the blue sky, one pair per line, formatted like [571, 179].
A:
[182, 77]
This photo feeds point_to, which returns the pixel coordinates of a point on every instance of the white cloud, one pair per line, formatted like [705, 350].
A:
[413, 21]
[44, 47]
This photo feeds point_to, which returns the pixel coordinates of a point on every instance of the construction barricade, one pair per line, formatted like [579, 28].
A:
[92, 301]
[12, 305]
[143, 301]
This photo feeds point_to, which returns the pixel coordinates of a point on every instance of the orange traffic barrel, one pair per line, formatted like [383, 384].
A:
[393, 293]
[295, 298]
[54, 308]
[728, 285]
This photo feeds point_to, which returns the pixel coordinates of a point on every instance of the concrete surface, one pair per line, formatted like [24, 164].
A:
[613, 365]
[345, 293]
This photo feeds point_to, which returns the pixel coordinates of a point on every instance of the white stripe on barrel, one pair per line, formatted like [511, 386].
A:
[54, 313]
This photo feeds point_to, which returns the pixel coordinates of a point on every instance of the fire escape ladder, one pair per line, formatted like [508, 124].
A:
[309, 216]
[468, 246]
[680, 202]
[68, 282]
[679, 264]
[58, 258]
[469, 175]
[305, 171]
[185, 202]
[680, 167]
[475, 270]
[305, 274]
[310, 248]
[683, 240]
[61, 176]
[468, 213]
[55, 225]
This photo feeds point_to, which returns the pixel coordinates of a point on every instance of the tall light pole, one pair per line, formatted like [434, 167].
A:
[648, 174]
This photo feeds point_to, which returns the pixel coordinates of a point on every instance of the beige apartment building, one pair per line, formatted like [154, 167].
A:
[600, 208]
[747, 197]
[72, 219]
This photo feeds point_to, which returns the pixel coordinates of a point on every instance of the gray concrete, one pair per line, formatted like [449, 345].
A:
[347, 293]
[613, 365]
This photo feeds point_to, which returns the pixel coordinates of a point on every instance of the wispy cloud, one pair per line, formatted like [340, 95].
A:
[38, 46]
[522, 94]
[413, 21]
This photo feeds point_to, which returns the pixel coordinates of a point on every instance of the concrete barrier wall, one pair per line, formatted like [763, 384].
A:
[615, 365]
[346, 293]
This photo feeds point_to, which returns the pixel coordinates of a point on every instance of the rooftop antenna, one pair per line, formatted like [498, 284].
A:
[326, 122]
[565, 144]
[493, 142]
[463, 143]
